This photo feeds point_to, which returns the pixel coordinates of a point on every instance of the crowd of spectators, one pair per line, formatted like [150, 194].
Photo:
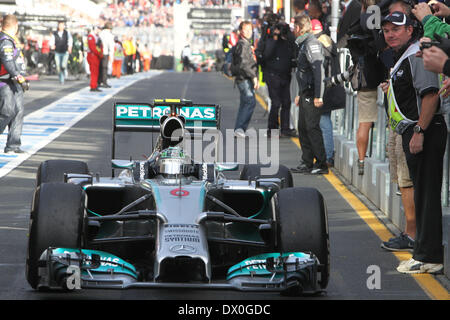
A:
[144, 13]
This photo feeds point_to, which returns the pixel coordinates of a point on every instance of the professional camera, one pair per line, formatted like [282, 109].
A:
[440, 42]
[340, 78]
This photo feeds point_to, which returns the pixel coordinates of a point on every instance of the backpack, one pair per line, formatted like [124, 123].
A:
[235, 63]
[334, 96]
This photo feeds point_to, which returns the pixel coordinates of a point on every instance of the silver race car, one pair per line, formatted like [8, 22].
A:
[168, 221]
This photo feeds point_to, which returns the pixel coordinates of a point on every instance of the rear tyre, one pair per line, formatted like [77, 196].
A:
[56, 220]
[303, 226]
[251, 171]
[54, 170]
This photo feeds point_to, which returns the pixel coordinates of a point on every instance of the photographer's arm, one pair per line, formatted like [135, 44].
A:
[431, 24]
[435, 59]
[441, 10]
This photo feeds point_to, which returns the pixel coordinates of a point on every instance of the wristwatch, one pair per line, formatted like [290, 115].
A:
[418, 129]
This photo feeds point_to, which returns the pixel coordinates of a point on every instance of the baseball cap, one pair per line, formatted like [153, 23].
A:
[398, 18]
[316, 25]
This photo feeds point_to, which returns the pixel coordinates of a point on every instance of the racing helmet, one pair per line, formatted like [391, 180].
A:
[171, 161]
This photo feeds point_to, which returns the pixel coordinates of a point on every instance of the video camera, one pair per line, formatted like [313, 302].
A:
[272, 22]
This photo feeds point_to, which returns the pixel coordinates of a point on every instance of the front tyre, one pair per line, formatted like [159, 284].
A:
[56, 220]
[54, 170]
[303, 226]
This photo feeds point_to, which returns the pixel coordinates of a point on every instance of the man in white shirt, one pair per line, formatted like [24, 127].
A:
[108, 44]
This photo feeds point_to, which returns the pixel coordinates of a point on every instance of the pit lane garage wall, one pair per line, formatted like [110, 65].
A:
[375, 184]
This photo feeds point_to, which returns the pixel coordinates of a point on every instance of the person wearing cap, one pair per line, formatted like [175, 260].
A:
[398, 169]
[315, 12]
[413, 108]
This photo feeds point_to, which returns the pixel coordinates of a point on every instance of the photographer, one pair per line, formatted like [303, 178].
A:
[276, 53]
[364, 45]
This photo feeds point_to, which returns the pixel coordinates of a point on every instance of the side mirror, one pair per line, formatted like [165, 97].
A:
[227, 166]
[122, 164]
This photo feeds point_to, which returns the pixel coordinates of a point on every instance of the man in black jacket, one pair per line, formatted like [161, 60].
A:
[310, 75]
[61, 42]
[246, 77]
[277, 52]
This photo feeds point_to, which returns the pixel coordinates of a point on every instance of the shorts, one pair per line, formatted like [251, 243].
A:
[367, 106]
[398, 168]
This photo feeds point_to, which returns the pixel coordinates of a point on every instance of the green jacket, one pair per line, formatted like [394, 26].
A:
[432, 24]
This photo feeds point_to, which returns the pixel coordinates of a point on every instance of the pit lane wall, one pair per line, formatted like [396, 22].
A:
[376, 183]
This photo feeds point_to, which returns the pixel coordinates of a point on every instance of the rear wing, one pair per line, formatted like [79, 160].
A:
[144, 117]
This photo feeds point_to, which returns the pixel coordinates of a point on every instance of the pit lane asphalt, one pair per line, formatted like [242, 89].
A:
[354, 246]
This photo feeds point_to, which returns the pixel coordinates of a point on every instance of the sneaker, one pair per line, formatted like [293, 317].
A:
[330, 162]
[320, 171]
[239, 133]
[288, 133]
[15, 150]
[414, 266]
[360, 167]
[302, 168]
[96, 90]
[401, 243]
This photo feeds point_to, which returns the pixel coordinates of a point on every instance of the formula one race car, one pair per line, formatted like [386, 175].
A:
[168, 221]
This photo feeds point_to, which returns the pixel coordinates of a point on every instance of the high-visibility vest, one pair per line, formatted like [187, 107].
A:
[397, 120]
[17, 55]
